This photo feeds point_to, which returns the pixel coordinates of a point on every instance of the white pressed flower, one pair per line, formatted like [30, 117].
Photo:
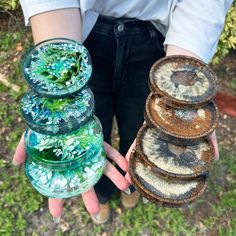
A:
[69, 141]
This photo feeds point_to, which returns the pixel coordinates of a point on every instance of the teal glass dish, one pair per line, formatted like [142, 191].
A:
[57, 115]
[57, 67]
[63, 166]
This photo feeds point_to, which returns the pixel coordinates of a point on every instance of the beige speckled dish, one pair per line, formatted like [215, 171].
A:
[187, 124]
[183, 81]
[170, 193]
[174, 161]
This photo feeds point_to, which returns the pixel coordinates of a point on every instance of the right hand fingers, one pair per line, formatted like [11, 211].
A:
[20, 155]
[115, 156]
[55, 205]
[116, 177]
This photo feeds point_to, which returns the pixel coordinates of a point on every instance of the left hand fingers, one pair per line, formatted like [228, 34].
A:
[91, 201]
[115, 156]
[115, 176]
[55, 206]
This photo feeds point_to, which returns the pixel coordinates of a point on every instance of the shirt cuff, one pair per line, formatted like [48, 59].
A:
[31, 8]
[203, 50]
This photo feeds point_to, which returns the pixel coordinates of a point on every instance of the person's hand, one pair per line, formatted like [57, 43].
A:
[89, 198]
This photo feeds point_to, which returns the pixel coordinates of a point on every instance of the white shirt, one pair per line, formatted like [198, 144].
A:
[194, 25]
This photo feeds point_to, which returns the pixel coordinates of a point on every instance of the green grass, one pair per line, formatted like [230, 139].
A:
[17, 199]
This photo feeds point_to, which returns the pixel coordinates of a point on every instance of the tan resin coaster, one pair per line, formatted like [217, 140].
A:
[181, 123]
[174, 161]
[183, 81]
[170, 193]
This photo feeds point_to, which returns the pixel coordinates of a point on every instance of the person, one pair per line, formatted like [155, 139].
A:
[124, 39]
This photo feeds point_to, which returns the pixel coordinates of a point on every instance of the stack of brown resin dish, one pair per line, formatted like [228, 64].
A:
[173, 152]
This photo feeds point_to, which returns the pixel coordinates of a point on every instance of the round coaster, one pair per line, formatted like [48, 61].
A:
[174, 161]
[183, 81]
[57, 67]
[69, 179]
[181, 123]
[57, 116]
[52, 150]
[166, 192]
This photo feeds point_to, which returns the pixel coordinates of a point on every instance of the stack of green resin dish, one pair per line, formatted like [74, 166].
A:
[173, 152]
[64, 140]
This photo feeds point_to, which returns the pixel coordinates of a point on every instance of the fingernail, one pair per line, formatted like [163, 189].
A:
[56, 219]
[127, 191]
[96, 217]
[14, 163]
[145, 201]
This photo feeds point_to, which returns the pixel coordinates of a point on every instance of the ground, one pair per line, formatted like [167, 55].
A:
[24, 212]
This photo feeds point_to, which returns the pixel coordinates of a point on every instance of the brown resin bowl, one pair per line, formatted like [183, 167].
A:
[173, 161]
[166, 192]
[183, 81]
[187, 124]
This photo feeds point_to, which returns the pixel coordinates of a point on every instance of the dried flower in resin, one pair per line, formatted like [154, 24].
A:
[57, 115]
[66, 146]
[65, 165]
[57, 67]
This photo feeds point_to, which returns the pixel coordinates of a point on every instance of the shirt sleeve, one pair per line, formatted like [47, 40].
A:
[196, 26]
[34, 7]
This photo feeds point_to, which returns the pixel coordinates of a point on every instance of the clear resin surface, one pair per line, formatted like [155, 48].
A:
[65, 165]
[57, 116]
[57, 67]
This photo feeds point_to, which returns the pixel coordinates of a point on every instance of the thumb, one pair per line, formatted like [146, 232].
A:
[215, 145]
[19, 156]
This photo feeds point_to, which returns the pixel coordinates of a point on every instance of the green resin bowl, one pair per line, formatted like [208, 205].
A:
[57, 67]
[57, 116]
[67, 180]
[65, 165]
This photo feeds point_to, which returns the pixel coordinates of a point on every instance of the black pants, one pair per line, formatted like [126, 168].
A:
[122, 52]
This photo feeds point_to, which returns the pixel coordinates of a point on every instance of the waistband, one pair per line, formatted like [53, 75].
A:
[115, 20]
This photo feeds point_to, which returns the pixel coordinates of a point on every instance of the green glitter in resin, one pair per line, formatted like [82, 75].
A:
[66, 182]
[56, 104]
[59, 115]
[56, 66]
[65, 147]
